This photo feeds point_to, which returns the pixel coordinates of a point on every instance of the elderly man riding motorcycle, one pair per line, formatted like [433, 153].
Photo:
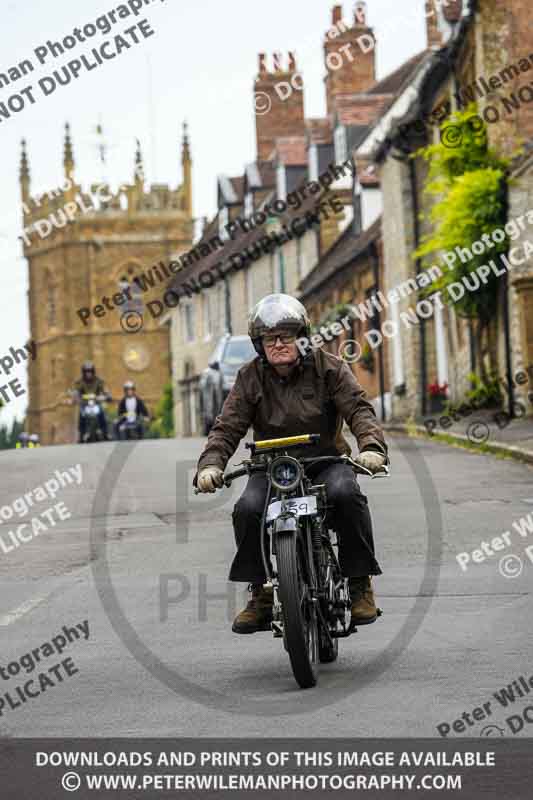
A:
[282, 393]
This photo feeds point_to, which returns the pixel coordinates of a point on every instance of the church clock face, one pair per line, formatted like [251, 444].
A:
[136, 357]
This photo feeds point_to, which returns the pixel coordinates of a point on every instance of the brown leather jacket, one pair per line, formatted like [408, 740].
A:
[317, 396]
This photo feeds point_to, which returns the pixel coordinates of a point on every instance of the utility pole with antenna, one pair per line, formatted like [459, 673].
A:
[152, 119]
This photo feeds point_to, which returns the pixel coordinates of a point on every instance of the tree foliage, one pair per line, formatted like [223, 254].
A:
[162, 426]
[469, 180]
[9, 434]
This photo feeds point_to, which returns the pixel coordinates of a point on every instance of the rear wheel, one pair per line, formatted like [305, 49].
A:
[93, 430]
[299, 615]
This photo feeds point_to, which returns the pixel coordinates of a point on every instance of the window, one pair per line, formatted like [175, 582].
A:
[274, 274]
[135, 292]
[223, 219]
[299, 259]
[281, 176]
[221, 308]
[341, 146]
[248, 204]
[357, 207]
[51, 304]
[313, 163]
[249, 288]
[188, 321]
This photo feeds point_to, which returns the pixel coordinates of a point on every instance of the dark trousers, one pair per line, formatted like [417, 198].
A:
[350, 518]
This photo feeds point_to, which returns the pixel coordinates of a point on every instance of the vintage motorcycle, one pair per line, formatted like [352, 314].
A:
[130, 426]
[311, 598]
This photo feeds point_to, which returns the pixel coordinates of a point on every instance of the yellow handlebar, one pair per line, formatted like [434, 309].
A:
[308, 438]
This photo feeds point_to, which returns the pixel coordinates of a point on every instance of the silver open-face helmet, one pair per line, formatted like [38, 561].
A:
[277, 312]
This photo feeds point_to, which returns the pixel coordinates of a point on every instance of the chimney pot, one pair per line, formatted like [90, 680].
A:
[336, 14]
[277, 62]
[434, 34]
[292, 61]
[360, 13]
[262, 63]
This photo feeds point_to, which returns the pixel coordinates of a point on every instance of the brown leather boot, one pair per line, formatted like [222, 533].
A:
[364, 610]
[257, 616]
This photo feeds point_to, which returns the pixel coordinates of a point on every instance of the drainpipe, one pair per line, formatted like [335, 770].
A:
[416, 228]
[227, 300]
[281, 271]
[375, 264]
[506, 323]
[472, 348]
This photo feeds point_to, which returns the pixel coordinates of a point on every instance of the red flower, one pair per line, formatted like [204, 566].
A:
[438, 389]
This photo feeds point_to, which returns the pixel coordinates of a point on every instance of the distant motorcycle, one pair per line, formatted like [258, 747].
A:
[130, 426]
[91, 407]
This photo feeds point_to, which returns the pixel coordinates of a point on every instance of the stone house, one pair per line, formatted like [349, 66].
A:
[350, 273]
[476, 51]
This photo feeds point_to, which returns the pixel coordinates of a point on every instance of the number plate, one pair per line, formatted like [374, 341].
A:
[299, 506]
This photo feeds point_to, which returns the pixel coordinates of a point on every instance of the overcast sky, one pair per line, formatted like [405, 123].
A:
[199, 66]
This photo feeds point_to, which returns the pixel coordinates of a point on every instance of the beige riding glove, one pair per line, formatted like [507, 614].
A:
[371, 460]
[210, 479]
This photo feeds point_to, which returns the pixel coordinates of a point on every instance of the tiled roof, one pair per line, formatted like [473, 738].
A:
[428, 70]
[237, 245]
[345, 250]
[364, 109]
[359, 109]
[394, 81]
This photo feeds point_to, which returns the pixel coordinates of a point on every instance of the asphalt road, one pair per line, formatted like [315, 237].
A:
[447, 641]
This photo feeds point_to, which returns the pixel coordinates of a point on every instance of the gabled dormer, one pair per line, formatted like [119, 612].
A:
[229, 202]
[290, 161]
[320, 148]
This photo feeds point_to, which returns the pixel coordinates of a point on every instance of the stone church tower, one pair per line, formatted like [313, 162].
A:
[82, 246]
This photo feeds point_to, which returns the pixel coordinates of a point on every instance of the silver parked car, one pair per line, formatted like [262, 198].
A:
[218, 378]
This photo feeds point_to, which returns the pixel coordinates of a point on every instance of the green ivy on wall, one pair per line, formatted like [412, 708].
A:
[469, 180]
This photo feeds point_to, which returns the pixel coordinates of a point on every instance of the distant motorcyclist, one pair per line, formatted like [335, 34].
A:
[23, 441]
[90, 383]
[131, 406]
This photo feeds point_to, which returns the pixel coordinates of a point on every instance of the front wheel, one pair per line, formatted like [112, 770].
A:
[299, 615]
[327, 652]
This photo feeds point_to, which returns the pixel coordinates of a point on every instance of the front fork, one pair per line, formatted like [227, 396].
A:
[311, 582]
[286, 525]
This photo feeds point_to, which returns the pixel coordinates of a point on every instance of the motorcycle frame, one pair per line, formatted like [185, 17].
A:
[288, 524]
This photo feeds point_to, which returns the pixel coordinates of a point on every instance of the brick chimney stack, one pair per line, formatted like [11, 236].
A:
[279, 102]
[336, 14]
[349, 53]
